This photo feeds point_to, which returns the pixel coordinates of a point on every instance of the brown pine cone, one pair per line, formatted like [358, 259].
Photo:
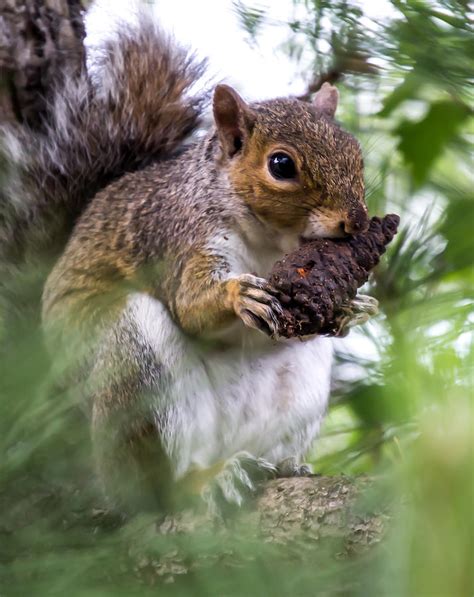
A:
[314, 282]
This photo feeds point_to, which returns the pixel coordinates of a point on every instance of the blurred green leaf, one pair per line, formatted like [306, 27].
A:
[251, 18]
[406, 90]
[423, 141]
[378, 404]
[458, 230]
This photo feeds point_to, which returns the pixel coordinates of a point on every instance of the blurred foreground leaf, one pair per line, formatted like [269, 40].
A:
[423, 141]
[458, 230]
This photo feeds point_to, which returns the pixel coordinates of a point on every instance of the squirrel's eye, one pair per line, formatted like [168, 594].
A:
[281, 166]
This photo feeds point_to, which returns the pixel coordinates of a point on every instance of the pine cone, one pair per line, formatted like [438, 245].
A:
[314, 282]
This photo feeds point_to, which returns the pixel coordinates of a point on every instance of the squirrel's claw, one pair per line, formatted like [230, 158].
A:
[256, 305]
[289, 467]
[238, 480]
[359, 311]
[365, 304]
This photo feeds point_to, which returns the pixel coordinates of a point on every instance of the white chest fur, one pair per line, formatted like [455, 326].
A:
[264, 397]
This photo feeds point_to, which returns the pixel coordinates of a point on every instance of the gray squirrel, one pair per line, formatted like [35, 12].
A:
[161, 247]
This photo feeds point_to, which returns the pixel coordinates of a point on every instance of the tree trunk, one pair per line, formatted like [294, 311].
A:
[39, 40]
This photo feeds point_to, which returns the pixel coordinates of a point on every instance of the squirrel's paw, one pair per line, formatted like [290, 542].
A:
[357, 312]
[238, 480]
[255, 304]
[290, 468]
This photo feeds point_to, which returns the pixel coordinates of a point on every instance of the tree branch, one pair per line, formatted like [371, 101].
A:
[344, 65]
[298, 515]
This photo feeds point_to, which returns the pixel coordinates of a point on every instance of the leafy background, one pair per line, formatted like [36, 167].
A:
[402, 407]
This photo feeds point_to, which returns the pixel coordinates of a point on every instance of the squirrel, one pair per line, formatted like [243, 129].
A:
[159, 296]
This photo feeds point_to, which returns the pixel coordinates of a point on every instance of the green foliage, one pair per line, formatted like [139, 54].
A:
[251, 19]
[402, 403]
[457, 230]
[423, 141]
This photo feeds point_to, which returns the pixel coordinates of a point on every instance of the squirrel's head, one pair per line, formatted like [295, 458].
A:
[295, 168]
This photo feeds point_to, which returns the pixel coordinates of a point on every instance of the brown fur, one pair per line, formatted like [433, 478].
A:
[329, 161]
[149, 229]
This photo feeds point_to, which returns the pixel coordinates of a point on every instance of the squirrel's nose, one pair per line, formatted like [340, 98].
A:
[355, 225]
[352, 227]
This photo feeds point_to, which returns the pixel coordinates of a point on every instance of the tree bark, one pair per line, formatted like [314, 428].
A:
[312, 508]
[39, 41]
[298, 516]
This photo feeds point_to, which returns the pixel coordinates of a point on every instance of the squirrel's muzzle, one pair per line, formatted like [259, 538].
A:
[356, 222]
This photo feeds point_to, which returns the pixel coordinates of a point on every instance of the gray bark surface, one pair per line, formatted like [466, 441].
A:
[298, 516]
[39, 40]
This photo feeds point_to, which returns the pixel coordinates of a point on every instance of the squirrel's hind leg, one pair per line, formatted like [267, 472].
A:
[133, 467]
[239, 478]
[125, 384]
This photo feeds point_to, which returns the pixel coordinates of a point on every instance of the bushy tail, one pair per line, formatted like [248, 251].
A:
[134, 103]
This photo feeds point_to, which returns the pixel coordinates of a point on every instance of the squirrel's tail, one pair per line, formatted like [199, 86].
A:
[135, 102]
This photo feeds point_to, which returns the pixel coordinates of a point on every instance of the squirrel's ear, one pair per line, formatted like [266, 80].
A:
[233, 117]
[325, 100]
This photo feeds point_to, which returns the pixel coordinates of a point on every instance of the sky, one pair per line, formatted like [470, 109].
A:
[212, 28]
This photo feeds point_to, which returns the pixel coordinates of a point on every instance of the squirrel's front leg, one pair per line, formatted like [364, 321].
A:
[252, 300]
[207, 301]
